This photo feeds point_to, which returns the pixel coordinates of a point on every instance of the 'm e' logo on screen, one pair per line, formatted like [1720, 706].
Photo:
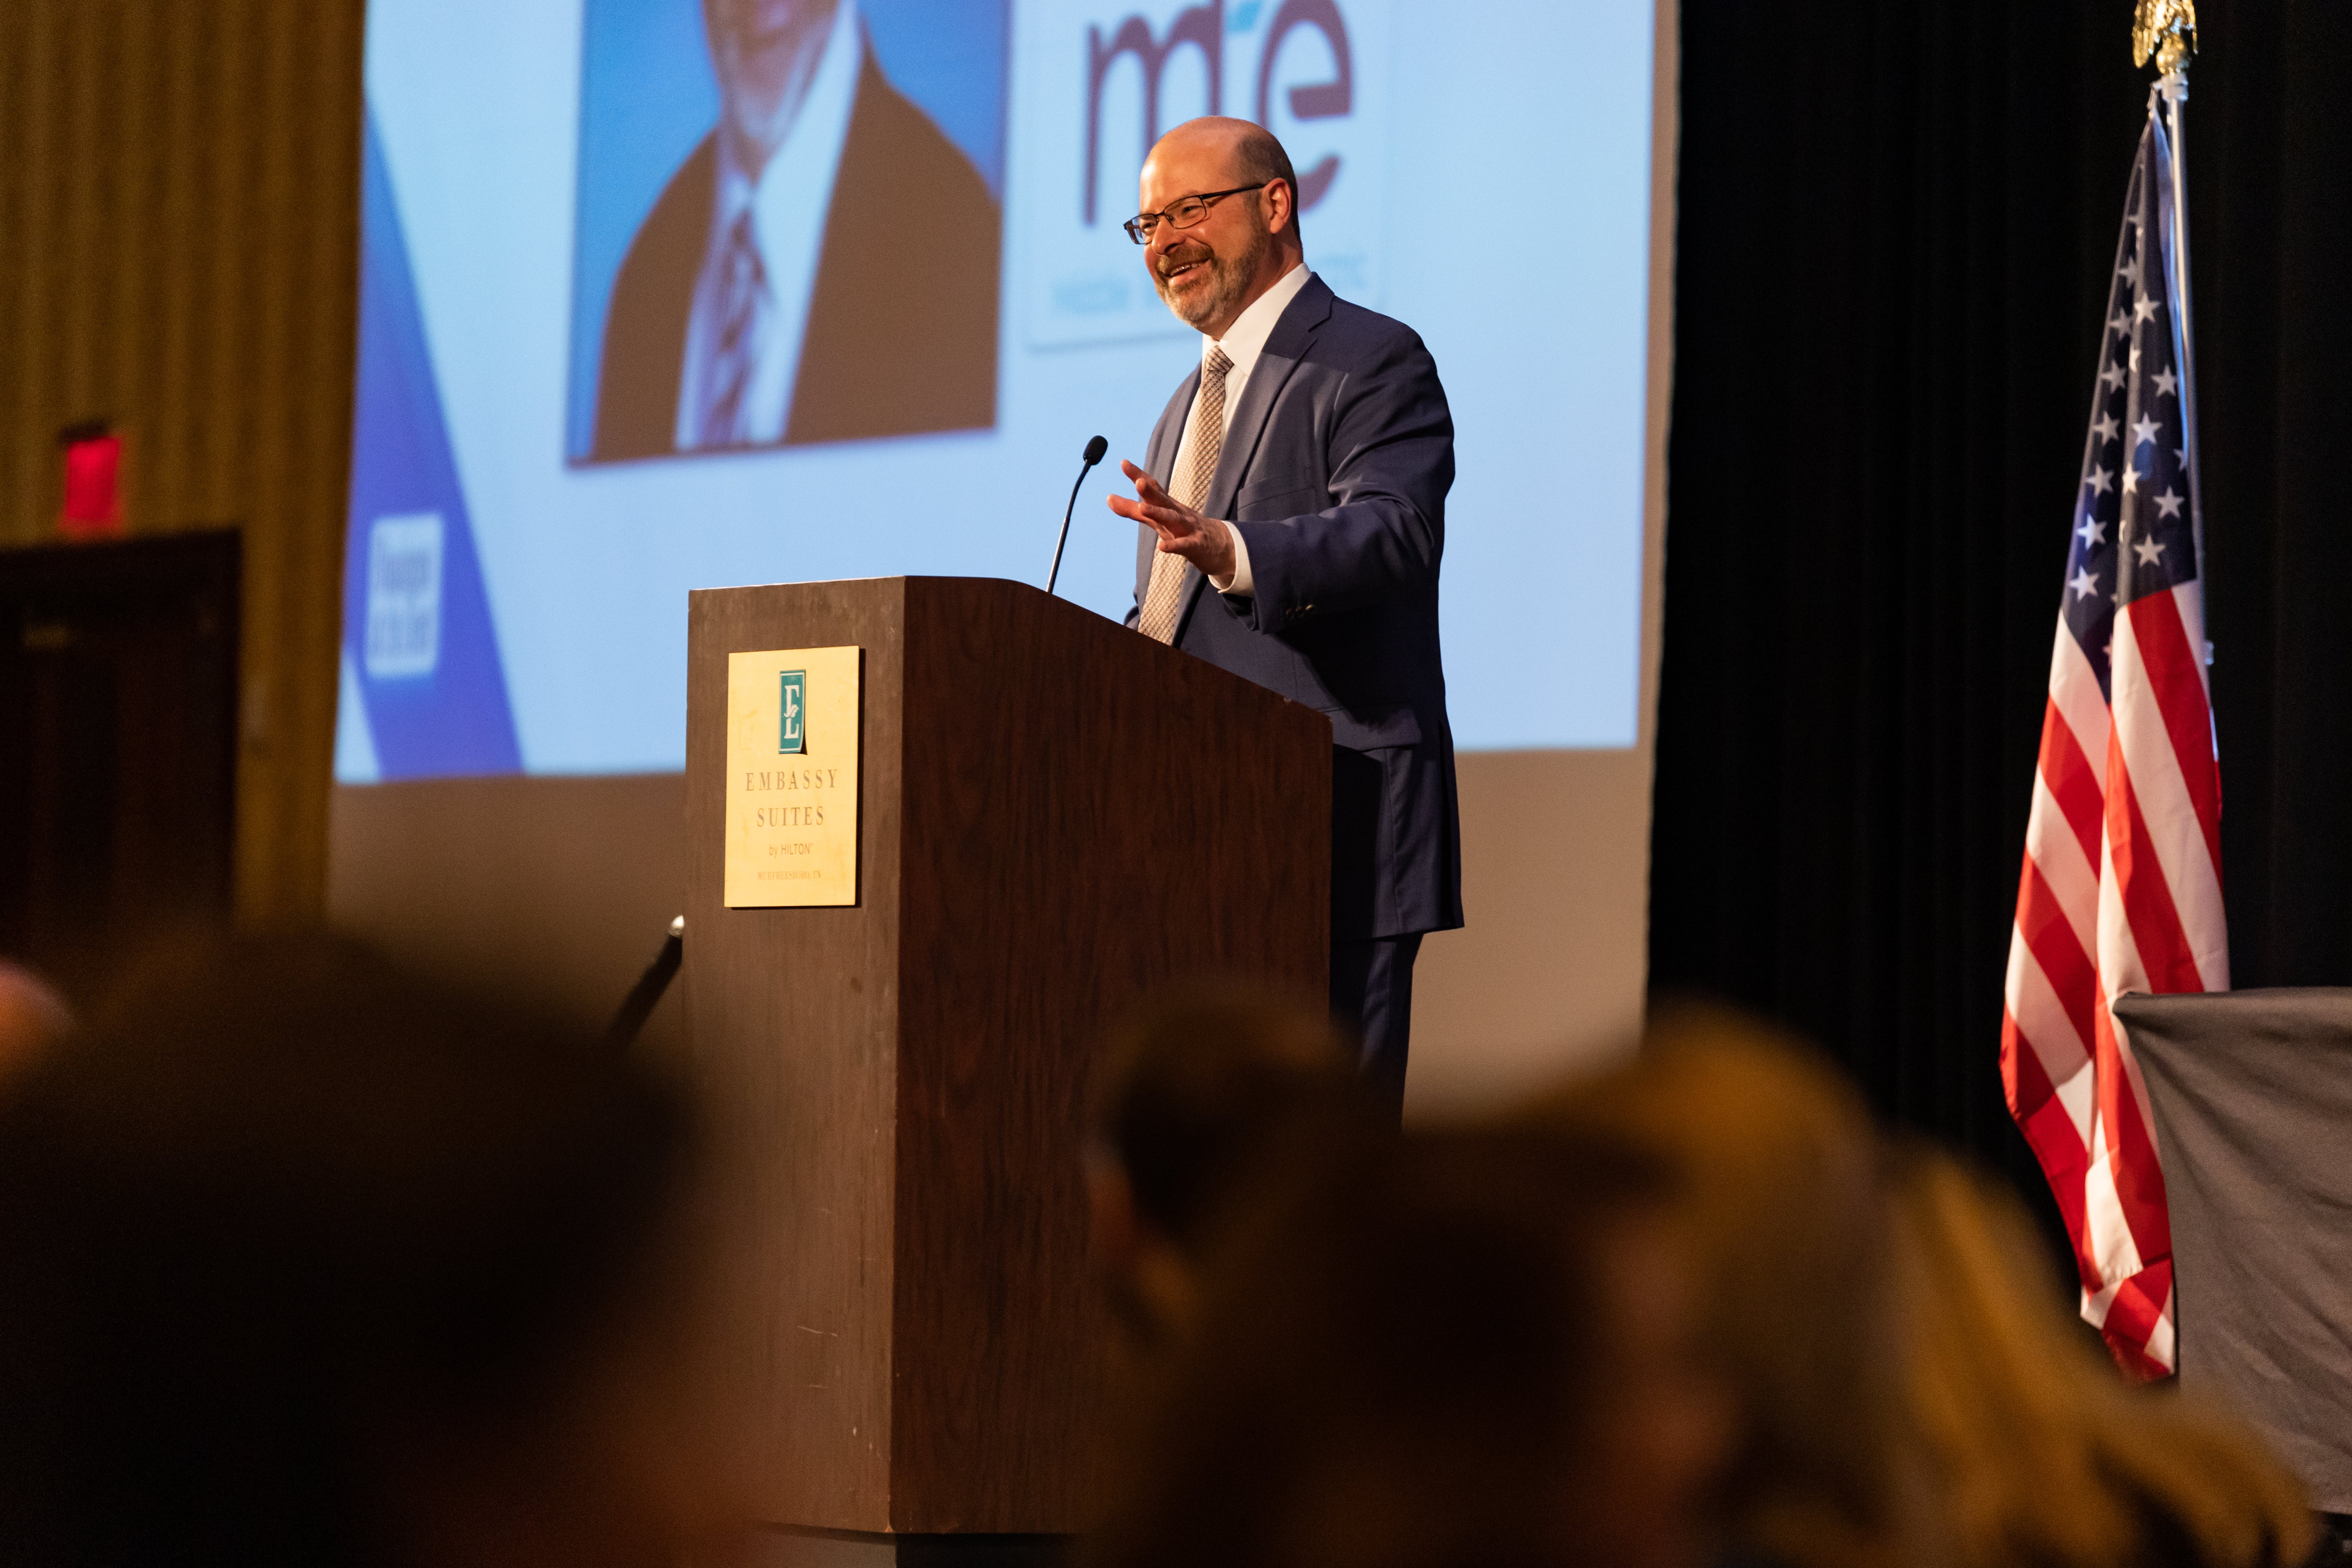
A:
[792, 708]
[1118, 74]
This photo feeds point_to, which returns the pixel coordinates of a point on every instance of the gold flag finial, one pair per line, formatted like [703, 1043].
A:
[2166, 30]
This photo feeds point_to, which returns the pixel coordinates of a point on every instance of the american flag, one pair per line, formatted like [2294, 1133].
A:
[2122, 884]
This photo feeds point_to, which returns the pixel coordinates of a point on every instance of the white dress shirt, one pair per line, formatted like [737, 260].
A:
[789, 203]
[1243, 342]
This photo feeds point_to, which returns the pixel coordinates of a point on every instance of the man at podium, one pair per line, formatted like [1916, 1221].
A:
[1300, 474]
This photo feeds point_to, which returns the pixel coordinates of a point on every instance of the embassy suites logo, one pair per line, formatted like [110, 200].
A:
[791, 713]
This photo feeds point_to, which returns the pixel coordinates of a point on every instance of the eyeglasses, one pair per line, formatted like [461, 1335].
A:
[1182, 213]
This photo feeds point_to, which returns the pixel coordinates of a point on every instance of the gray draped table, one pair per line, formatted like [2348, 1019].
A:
[2252, 1097]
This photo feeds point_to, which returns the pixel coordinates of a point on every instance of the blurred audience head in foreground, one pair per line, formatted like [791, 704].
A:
[1202, 1098]
[304, 1262]
[1779, 1181]
[2043, 1453]
[1911, 1385]
[1466, 1348]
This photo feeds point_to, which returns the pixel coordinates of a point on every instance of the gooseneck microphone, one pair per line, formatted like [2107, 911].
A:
[1094, 451]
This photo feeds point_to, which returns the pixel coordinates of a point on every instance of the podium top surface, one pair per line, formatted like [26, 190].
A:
[995, 617]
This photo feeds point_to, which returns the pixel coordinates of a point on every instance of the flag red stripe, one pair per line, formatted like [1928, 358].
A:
[2071, 780]
[2132, 1319]
[2173, 677]
[2050, 1133]
[2131, 1160]
[2166, 957]
[2042, 923]
[2025, 1084]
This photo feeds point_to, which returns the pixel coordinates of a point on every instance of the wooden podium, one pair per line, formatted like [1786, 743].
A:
[1056, 816]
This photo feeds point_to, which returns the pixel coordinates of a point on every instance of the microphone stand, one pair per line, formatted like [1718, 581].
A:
[639, 1004]
[1094, 454]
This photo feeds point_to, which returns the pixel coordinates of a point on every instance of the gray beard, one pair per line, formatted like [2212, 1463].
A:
[1228, 281]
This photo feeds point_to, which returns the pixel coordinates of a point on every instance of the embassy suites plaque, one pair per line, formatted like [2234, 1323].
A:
[792, 776]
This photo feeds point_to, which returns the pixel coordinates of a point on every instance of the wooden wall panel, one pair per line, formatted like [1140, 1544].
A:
[179, 244]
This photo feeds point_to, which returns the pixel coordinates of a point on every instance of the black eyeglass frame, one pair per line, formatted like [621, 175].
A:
[1206, 198]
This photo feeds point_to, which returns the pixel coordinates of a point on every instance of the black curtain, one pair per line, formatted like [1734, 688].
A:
[2270, 149]
[1896, 226]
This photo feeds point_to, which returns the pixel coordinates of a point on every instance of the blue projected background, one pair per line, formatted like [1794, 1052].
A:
[515, 594]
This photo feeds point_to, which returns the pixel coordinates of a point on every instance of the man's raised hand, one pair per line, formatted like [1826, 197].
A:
[1203, 541]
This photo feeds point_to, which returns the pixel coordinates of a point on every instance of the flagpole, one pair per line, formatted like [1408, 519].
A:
[2174, 86]
[2167, 31]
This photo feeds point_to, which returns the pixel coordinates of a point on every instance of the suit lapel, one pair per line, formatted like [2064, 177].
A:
[1284, 347]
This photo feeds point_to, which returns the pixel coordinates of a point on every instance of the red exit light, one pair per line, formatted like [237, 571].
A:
[93, 503]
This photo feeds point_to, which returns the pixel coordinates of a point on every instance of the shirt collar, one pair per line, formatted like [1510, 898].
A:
[1246, 338]
[798, 179]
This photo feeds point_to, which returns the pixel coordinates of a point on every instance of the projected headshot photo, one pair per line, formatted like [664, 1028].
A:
[789, 224]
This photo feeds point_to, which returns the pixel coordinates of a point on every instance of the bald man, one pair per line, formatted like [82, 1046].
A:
[1292, 513]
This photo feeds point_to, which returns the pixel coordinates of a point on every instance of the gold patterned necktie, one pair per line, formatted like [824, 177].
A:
[1205, 442]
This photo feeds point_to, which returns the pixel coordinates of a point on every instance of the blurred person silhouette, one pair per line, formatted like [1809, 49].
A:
[33, 1018]
[303, 1261]
[1199, 1097]
[1778, 1178]
[2043, 1455]
[1470, 1348]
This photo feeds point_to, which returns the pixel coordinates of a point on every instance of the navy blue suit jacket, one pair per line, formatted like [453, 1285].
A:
[1335, 472]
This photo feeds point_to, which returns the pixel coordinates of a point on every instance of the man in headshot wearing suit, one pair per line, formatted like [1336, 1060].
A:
[1292, 506]
[788, 285]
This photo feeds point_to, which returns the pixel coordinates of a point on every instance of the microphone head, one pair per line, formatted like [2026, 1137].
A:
[1094, 451]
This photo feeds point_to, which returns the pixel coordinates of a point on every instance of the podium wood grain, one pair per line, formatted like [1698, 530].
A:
[1057, 817]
